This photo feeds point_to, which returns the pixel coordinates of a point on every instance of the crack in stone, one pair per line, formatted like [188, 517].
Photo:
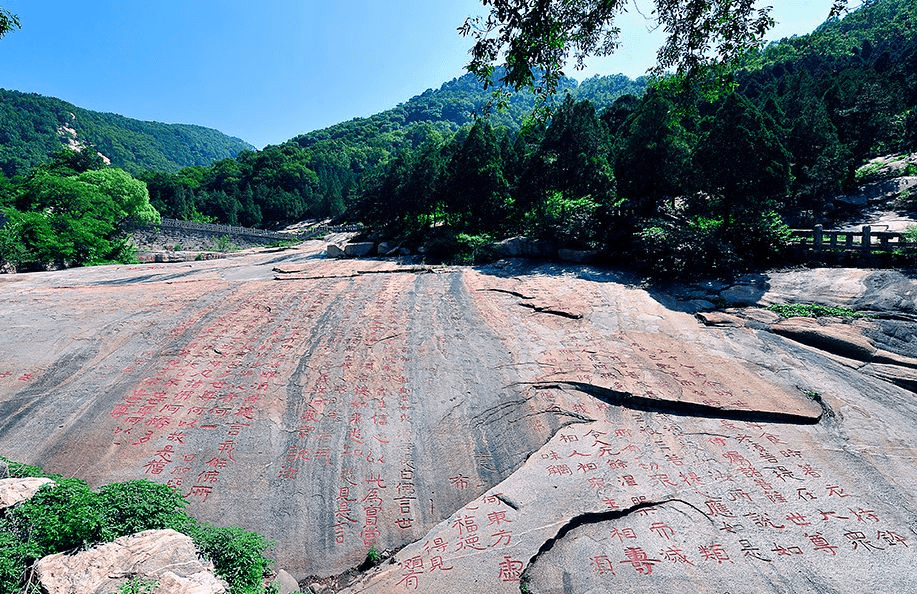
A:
[590, 518]
[358, 273]
[507, 501]
[553, 312]
[508, 292]
[677, 408]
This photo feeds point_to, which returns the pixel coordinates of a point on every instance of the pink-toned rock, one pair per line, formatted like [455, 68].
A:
[560, 422]
[17, 490]
[165, 557]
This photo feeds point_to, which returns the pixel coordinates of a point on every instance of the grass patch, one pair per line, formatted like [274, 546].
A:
[811, 310]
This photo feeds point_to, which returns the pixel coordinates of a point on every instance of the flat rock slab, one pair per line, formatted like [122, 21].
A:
[165, 559]
[552, 424]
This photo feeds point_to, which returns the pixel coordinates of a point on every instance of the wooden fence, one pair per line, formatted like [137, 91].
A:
[865, 241]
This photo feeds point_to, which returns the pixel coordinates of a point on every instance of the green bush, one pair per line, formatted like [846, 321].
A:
[59, 517]
[237, 555]
[472, 248]
[67, 515]
[135, 506]
[811, 310]
[707, 246]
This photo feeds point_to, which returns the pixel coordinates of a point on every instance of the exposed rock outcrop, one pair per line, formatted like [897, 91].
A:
[563, 425]
[17, 490]
[165, 558]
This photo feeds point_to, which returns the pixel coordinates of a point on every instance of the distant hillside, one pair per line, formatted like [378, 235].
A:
[33, 126]
[456, 103]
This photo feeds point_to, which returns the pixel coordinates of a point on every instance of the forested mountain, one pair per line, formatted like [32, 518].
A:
[664, 175]
[34, 127]
[323, 173]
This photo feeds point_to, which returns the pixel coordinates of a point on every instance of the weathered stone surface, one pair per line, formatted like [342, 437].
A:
[359, 249]
[835, 338]
[334, 251]
[558, 420]
[166, 556]
[4, 470]
[286, 583]
[17, 490]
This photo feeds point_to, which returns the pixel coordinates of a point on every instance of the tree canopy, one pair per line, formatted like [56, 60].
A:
[541, 36]
[8, 21]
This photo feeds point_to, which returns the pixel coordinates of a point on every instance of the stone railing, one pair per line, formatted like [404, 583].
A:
[247, 233]
[865, 241]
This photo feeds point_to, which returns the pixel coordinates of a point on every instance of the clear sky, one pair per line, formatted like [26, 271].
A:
[266, 71]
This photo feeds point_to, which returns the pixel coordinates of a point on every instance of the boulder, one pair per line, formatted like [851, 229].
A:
[17, 490]
[576, 256]
[334, 251]
[165, 556]
[838, 339]
[4, 470]
[360, 249]
[525, 247]
[286, 583]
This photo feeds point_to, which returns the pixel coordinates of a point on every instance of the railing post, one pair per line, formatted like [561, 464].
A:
[817, 237]
[867, 238]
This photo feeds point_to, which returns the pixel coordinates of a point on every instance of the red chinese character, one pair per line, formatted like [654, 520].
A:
[892, 538]
[821, 544]
[663, 530]
[714, 553]
[200, 491]
[438, 544]
[639, 560]
[412, 568]
[864, 513]
[717, 508]
[786, 551]
[675, 555]
[459, 481]
[500, 537]
[154, 467]
[798, 519]
[510, 569]
[622, 533]
[836, 491]
[497, 518]
[208, 476]
[601, 565]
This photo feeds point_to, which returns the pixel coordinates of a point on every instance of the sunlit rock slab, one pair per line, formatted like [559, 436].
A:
[340, 405]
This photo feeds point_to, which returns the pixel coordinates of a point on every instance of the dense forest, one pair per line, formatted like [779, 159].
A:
[34, 127]
[662, 173]
[325, 173]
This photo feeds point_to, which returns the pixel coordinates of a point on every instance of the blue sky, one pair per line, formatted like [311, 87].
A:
[266, 71]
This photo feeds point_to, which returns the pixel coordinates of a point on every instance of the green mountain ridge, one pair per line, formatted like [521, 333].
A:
[33, 127]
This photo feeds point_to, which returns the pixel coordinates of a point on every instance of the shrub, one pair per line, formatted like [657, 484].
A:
[59, 517]
[811, 310]
[68, 515]
[135, 506]
[237, 555]
[471, 248]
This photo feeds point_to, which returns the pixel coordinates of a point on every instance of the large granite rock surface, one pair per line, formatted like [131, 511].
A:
[559, 425]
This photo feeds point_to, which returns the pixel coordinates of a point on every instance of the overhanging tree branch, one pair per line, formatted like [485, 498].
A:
[539, 37]
[8, 22]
